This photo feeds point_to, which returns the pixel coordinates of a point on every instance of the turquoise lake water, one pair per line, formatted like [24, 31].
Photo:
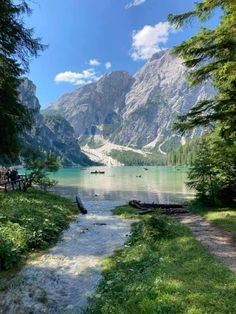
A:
[158, 184]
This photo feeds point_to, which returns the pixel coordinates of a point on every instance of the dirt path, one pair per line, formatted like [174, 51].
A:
[61, 280]
[218, 242]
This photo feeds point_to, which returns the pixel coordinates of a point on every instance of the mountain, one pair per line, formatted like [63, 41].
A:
[51, 133]
[158, 95]
[135, 112]
[92, 107]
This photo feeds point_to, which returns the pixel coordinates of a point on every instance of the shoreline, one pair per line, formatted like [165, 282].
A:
[60, 278]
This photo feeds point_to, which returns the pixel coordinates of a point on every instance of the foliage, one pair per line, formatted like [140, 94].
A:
[169, 144]
[130, 158]
[211, 54]
[34, 223]
[184, 155]
[125, 211]
[17, 47]
[39, 164]
[13, 241]
[213, 174]
[163, 269]
[203, 174]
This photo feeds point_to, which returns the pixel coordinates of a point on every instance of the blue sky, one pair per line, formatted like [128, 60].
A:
[88, 38]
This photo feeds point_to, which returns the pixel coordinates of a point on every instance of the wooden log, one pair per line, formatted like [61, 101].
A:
[138, 205]
[80, 205]
[167, 209]
[173, 211]
[145, 206]
[170, 211]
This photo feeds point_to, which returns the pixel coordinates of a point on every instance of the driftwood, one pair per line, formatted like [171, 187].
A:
[168, 209]
[140, 205]
[80, 205]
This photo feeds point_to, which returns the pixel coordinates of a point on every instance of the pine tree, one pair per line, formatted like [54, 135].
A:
[211, 54]
[203, 174]
[17, 46]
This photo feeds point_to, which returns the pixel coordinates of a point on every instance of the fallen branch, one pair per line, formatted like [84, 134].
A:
[167, 209]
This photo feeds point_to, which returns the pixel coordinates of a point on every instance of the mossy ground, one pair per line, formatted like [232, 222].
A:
[163, 269]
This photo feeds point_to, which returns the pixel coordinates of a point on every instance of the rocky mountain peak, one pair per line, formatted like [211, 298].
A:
[115, 76]
[159, 54]
[52, 133]
[27, 94]
[136, 111]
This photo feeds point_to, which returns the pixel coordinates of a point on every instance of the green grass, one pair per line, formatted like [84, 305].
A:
[163, 269]
[30, 221]
[126, 211]
[221, 217]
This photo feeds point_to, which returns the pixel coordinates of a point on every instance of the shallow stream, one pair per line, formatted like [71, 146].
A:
[61, 279]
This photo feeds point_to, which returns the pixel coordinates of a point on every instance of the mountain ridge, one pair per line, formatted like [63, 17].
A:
[133, 111]
[51, 133]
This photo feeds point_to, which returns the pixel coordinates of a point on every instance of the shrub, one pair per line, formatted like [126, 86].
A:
[13, 241]
[30, 220]
[154, 228]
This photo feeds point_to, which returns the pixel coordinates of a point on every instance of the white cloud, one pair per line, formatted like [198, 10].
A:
[134, 3]
[149, 39]
[108, 65]
[77, 78]
[94, 62]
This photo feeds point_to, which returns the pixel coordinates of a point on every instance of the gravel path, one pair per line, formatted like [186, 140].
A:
[218, 242]
[61, 280]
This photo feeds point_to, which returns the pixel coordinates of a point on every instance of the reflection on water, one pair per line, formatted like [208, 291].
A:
[158, 184]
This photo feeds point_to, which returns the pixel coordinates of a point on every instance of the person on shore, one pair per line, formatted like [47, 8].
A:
[13, 177]
[8, 175]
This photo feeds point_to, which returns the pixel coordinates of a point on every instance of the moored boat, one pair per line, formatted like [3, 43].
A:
[97, 172]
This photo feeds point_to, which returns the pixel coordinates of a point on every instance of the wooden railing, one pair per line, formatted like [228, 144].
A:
[21, 183]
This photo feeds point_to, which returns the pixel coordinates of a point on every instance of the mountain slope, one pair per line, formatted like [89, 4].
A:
[95, 105]
[52, 133]
[136, 112]
[160, 93]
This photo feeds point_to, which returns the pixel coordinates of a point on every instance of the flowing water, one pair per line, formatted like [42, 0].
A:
[61, 279]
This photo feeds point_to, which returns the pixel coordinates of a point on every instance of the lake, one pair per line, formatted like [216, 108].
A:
[158, 184]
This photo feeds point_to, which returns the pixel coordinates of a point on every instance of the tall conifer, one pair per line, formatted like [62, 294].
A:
[211, 54]
[17, 46]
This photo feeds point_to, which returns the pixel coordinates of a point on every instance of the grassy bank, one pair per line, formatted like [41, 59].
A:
[30, 221]
[163, 269]
[221, 217]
